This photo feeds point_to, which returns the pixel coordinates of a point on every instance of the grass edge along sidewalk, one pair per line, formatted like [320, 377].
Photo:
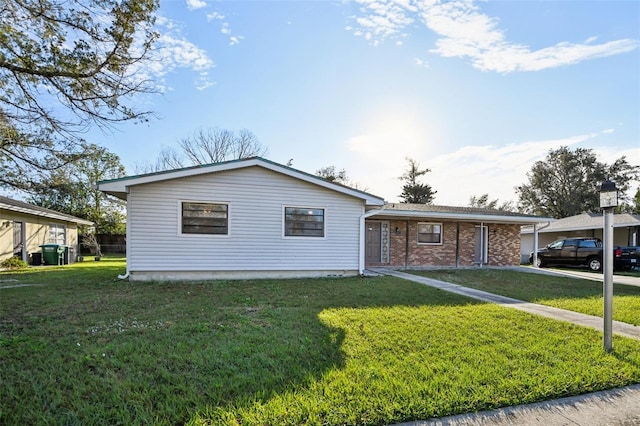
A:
[568, 293]
[85, 348]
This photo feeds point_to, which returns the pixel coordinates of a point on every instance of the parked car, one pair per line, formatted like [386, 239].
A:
[585, 251]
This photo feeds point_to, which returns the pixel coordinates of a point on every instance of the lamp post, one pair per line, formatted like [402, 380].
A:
[608, 201]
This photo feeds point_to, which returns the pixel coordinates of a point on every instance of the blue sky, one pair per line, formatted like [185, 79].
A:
[475, 91]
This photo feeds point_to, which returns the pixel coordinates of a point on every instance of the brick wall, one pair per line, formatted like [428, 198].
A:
[404, 250]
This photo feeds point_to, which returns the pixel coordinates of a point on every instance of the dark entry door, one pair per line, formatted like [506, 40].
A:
[372, 244]
[18, 240]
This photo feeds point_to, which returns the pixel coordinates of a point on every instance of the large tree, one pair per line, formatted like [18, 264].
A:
[484, 202]
[412, 190]
[72, 189]
[332, 174]
[66, 65]
[567, 182]
[206, 147]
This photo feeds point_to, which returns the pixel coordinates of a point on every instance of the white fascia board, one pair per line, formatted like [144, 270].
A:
[582, 227]
[119, 187]
[50, 215]
[464, 217]
[579, 228]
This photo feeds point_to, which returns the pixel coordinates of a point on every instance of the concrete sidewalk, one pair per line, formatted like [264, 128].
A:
[616, 407]
[597, 323]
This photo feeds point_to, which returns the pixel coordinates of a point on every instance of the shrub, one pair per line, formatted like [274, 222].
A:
[14, 263]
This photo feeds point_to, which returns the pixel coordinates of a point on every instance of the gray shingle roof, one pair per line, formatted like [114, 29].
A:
[451, 209]
[469, 214]
[586, 221]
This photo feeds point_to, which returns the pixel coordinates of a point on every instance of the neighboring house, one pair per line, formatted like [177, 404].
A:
[256, 218]
[25, 227]
[626, 230]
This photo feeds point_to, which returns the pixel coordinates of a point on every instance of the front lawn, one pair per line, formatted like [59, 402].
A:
[85, 348]
[573, 294]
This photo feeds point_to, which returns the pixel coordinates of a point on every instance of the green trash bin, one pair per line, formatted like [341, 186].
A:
[53, 254]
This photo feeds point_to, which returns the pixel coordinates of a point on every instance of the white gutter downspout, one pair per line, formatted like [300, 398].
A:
[127, 236]
[535, 242]
[482, 247]
[362, 238]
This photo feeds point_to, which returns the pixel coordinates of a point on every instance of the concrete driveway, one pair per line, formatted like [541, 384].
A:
[587, 275]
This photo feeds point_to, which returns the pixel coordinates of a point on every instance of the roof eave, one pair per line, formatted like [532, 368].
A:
[462, 216]
[578, 228]
[50, 215]
[119, 187]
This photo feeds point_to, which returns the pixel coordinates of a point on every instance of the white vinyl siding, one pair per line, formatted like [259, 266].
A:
[255, 224]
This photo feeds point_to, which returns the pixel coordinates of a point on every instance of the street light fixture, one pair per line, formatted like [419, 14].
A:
[608, 195]
[608, 201]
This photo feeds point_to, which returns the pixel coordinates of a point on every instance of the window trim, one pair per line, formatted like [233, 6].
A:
[190, 235]
[303, 237]
[441, 242]
[64, 232]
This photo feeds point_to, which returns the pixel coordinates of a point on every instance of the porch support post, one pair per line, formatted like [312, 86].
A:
[535, 246]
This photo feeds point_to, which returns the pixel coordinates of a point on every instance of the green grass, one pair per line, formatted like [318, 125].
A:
[573, 294]
[85, 348]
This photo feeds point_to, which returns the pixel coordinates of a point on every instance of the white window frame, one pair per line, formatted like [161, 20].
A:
[303, 237]
[190, 235]
[432, 224]
[53, 236]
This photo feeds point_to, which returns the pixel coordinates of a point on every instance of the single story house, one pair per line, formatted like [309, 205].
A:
[256, 218]
[626, 230]
[25, 227]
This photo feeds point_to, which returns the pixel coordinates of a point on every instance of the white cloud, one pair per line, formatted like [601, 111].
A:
[456, 176]
[171, 52]
[214, 16]
[224, 28]
[233, 40]
[465, 32]
[195, 4]
[421, 62]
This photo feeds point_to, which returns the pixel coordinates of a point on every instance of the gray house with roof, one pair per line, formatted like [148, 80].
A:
[626, 230]
[256, 218]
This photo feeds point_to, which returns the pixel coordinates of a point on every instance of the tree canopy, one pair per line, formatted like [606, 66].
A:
[66, 65]
[414, 191]
[206, 147]
[484, 202]
[332, 174]
[72, 189]
[567, 183]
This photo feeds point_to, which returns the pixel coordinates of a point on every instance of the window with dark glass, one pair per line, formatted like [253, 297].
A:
[205, 218]
[429, 233]
[303, 222]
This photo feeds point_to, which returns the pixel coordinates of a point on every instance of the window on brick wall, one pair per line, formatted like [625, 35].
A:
[429, 233]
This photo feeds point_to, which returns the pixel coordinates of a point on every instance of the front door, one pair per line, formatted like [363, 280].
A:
[18, 240]
[372, 242]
